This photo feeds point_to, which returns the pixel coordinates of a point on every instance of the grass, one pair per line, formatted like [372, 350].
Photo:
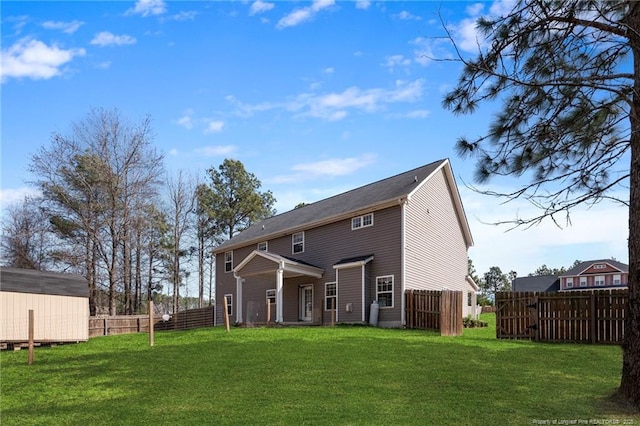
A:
[340, 375]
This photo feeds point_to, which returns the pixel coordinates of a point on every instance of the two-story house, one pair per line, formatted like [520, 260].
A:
[595, 275]
[334, 257]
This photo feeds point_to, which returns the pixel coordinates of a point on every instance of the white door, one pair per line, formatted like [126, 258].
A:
[306, 302]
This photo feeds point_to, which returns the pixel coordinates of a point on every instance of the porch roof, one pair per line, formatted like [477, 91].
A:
[290, 267]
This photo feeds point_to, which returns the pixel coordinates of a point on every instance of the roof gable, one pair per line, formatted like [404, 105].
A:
[582, 267]
[374, 196]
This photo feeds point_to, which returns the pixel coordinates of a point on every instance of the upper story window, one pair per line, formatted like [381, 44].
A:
[384, 291]
[362, 221]
[297, 242]
[228, 261]
[599, 280]
[617, 279]
[583, 281]
[599, 266]
[569, 283]
[263, 246]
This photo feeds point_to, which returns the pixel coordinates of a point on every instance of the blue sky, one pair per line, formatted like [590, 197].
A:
[315, 98]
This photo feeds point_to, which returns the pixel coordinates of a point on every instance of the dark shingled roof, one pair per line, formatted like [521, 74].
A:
[393, 188]
[353, 259]
[41, 282]
[582, 266]
[537, 283]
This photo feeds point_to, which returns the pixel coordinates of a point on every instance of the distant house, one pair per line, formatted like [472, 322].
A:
[334, 257]
[60, 303]
[595, 275]
[589, 275]
[537, 283]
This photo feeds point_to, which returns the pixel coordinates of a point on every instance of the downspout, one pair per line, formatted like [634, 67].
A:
[238, 297]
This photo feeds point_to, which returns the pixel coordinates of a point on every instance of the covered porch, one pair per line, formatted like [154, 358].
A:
[263, 266]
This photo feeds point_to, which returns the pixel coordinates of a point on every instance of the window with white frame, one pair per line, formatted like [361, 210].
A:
[297, 242]
[583, 281]
[362, 221]
[599, 280]
[617, 279]
[229, 299]
[469, 299]
[384, 291]
[330, 296]
[599, 266]
[263, 246]
[271, 295]
[569, 283]
[228, 261]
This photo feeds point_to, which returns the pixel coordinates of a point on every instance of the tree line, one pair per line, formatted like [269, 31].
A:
[108, 210]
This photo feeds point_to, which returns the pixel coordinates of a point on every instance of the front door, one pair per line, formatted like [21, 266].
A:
[306, 302]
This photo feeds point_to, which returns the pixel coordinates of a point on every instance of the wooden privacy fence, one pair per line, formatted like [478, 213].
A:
[578, 316]
[434, 310]
[123, 324]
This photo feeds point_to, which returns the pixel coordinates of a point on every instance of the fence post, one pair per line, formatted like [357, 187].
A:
[150, 322]
[31, 333]
[226, 313]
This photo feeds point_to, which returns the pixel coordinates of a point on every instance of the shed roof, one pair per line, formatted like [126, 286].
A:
[376, 195]
[42, 282]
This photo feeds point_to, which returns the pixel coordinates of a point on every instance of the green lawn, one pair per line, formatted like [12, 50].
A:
[314, 375]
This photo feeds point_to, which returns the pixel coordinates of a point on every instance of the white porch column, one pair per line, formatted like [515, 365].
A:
[238, 299]
[279, 298]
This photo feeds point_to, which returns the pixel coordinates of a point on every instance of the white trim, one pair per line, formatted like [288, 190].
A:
[337, 293]
[239, 281]
[287, 265]
[279, 285]
[403, 261]
[325, 296]
[362, 279]
[361, 221]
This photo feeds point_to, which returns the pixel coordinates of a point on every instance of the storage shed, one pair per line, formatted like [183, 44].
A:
[60, 303]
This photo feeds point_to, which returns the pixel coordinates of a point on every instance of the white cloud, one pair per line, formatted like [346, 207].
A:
[260, 6]
[148, 8]
[330, 167]
[394, 61]
[363, 4]
[214, 126]
[215, 151]
[34, 59]
[415, 114]
[173, 152]
[105, 38]
[304, 14]
[329, 70]
[186, 120]
[336, 106]
[185, 16]
[65, 27]
[406, 16]
[16, 195]
[429, 49]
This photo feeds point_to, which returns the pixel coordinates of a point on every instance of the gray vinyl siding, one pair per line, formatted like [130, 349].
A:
[350, 292]
[324, 247]
[436, 251]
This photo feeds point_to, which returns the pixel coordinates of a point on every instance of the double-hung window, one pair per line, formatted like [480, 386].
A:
[384, 291]
[263, 246]
[228, 261]
[569, 283]
[599, 280]
[617, 279]
[330, 296]
[297, 242]
[362, 221]
[229, 299]
[583, 281]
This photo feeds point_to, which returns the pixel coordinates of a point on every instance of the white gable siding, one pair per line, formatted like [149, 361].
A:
[435, 248]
